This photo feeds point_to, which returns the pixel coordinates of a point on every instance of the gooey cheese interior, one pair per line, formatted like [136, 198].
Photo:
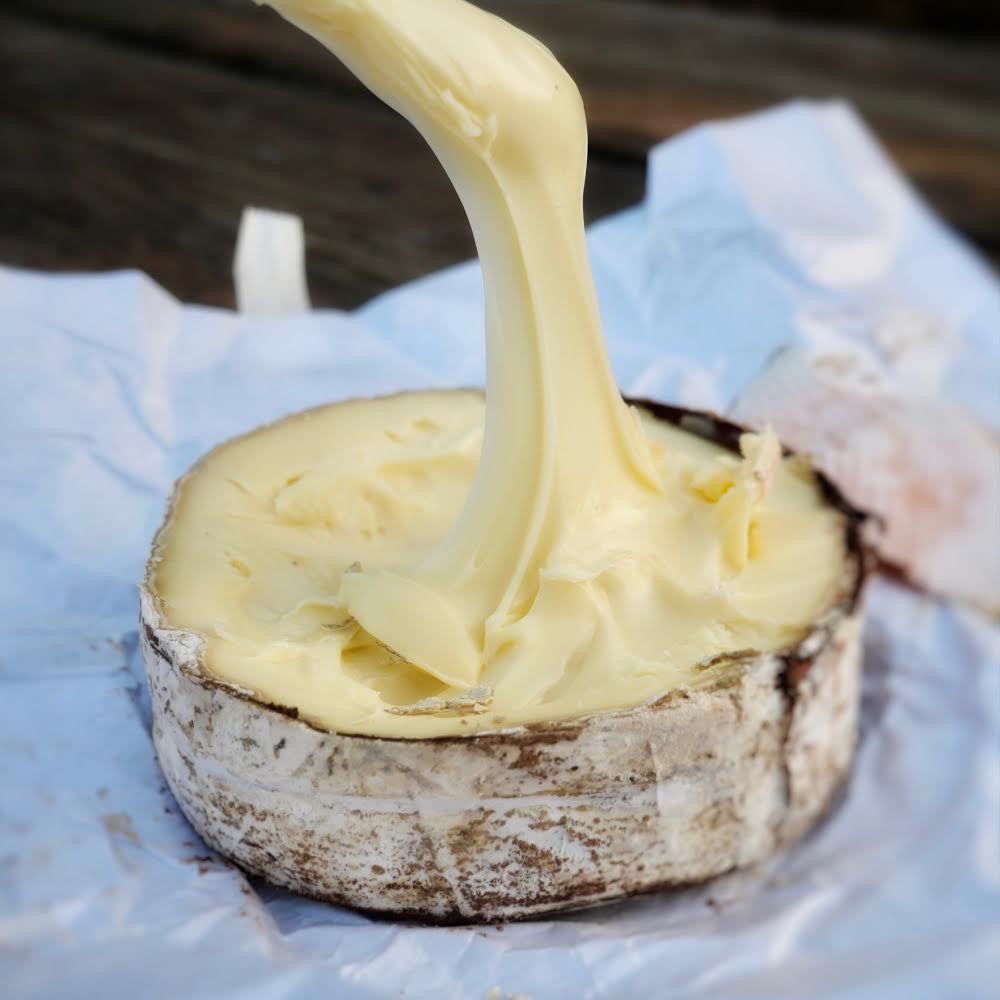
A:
[423, 565]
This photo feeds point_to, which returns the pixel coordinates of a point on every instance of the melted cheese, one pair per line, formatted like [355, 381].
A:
[265, 530]
[415, 566]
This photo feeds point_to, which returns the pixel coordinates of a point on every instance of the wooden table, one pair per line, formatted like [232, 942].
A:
[133, 133]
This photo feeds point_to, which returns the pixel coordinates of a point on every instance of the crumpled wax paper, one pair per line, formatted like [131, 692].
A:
[787, 230]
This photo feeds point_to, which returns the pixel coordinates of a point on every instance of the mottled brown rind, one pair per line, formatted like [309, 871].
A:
[528, 821]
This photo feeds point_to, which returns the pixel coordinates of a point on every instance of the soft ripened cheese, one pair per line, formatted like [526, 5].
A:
[265, 528]
[415, 566]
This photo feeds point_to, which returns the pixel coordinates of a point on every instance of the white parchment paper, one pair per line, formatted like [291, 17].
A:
[787, 230]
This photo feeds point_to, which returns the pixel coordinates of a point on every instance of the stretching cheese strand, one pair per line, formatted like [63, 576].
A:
[555, 556]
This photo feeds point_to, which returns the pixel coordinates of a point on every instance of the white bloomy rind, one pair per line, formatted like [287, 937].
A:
[512, 824]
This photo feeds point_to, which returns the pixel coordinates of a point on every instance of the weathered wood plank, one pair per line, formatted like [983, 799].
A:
[958, 19]
[622, 47]
[113, 158]
[649, 70]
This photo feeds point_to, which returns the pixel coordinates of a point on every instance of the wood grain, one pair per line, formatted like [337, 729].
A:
[123, 158]
[135, 133]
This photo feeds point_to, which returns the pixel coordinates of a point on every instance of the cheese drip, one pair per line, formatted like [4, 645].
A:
[415, 567]
[507, 123]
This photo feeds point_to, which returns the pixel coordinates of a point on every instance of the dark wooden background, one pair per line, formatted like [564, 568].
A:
[133, 132]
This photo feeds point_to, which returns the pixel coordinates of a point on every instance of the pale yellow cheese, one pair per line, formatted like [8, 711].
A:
[265, 528]
[363, 565]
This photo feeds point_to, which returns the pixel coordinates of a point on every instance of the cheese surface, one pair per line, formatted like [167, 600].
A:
[264, 530]
[421, 565]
